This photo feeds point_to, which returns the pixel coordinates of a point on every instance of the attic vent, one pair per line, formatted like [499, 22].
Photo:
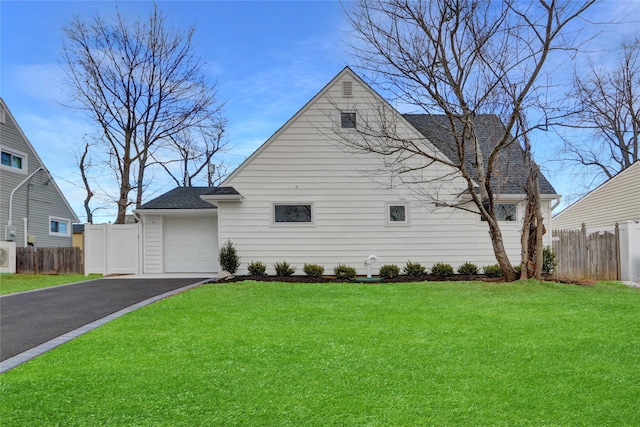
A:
[347, 88]
[2, 115]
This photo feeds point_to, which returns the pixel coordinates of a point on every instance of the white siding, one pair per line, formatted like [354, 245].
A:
[152, 231]
[615, 201]
[180, 243]
[302, 163]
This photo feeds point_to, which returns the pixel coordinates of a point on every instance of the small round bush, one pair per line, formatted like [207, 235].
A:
[344, 272]
[313, 270]
[442, 270]
[228, 257]
[468, 269]
[413, 269]
[284, 269]
[257, 268]
[389, 271]
[492, 270]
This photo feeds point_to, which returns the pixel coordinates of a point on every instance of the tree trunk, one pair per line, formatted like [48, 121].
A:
[125, 183]
[501, 254]
[125, 188]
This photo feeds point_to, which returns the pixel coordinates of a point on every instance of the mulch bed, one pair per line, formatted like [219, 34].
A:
[399, 279]
[332, 279]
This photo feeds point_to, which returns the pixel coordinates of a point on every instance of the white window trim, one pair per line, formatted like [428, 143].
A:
[340, 120]
[404, 223]
[514, 224]
[23, 156]
[58, 219]
[292, 224]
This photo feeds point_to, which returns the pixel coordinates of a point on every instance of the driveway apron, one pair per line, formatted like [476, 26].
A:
[30, 319]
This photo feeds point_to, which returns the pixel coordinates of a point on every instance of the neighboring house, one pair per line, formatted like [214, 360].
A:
[303, 198]
[615, 201]
[77, 239]
[33, 210]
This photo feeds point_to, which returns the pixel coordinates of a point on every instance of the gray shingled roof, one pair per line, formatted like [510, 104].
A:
[187, 198]
[511, 172]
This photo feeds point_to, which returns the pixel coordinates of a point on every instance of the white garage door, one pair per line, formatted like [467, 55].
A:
[190, 244]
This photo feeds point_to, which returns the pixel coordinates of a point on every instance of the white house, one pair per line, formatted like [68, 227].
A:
[302, 197]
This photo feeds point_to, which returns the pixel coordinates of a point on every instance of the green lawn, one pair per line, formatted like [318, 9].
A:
[408, 354]
[11, 283]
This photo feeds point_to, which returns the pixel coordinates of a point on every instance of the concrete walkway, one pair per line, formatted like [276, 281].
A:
[34, 322]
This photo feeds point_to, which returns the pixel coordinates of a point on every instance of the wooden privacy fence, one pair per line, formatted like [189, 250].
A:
[31, 260]
[587, 256]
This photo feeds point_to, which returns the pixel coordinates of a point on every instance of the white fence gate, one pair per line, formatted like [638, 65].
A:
[112, 249]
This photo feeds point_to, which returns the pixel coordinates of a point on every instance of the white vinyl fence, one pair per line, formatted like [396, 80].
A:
[630, 251]
[112, 249]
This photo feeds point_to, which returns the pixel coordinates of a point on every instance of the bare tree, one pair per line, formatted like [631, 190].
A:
[85, 164]
[608, 104]
[194, 152]
[467, 60]
[142, 84]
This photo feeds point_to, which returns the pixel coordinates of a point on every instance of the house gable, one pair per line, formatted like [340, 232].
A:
[40, 199]
[308, 199]
[339, 95]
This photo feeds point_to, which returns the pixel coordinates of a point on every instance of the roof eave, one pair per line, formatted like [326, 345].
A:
[210, 198]
[197, 211]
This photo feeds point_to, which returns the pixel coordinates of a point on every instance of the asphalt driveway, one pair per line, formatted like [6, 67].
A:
[31, 319]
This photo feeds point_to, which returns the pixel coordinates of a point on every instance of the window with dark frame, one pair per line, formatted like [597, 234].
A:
[11, 160]
[504, 212]
[348, 120]
[59, 227]
[292, 213]
[397, 213]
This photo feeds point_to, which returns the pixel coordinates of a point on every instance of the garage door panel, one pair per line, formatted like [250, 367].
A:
[190, 244]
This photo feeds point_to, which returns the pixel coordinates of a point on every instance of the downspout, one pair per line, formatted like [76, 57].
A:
[9, 222]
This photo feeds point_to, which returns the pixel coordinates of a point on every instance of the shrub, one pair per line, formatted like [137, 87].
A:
[518, 269]
[549, 261]
[284, 269]
[442, 270]
[228, 257]
[257, 268]
[468, 269]
[493, 270]
[413, 269]
[313, 270]
[344, 272]
[389, 271]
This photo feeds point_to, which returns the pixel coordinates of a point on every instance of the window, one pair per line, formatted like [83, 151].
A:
[59, 227]
[505, 212]
[348, 120]
[397, 214]
[292, 213]
[13, 160]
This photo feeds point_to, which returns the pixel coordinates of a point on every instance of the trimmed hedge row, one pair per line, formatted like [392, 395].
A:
[229, 261]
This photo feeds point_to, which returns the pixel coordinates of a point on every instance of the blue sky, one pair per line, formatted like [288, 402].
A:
[269, 58]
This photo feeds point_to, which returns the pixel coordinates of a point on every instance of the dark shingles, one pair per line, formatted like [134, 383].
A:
[187, 198]
[511, 173]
